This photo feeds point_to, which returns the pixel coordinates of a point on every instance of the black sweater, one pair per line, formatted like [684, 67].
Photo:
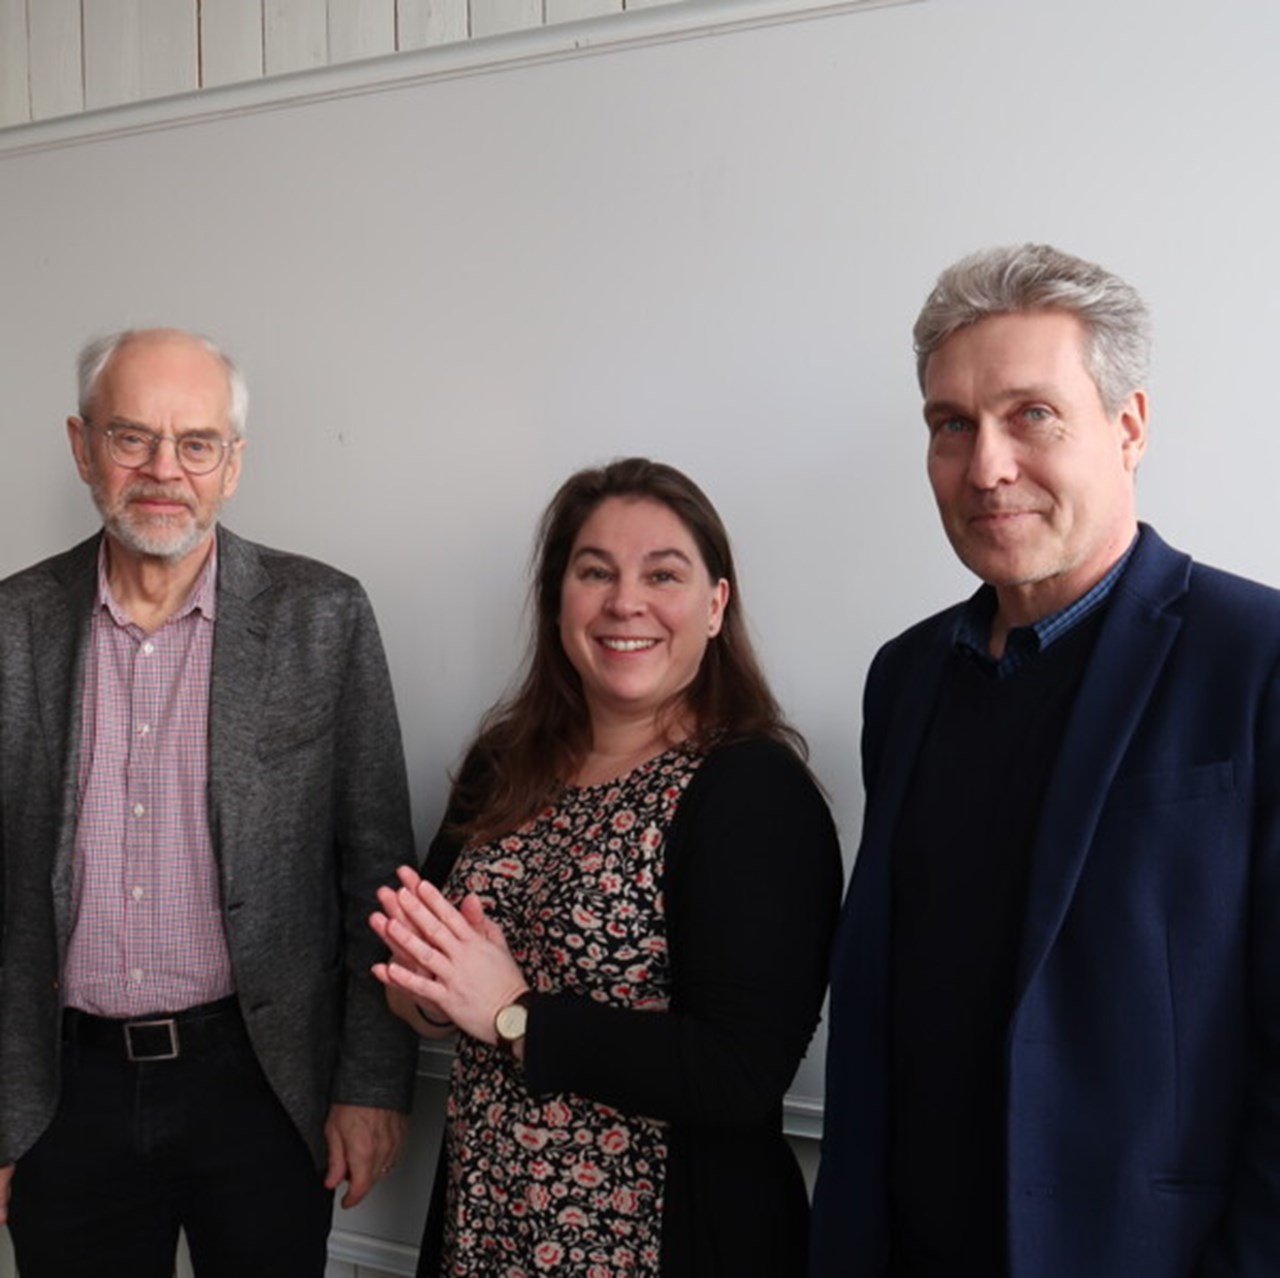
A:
[961, 860]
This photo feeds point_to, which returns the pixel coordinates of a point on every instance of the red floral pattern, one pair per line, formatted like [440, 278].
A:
[563, 1185]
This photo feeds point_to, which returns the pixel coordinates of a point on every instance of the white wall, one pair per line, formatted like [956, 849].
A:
[449, 295]
[60, 57]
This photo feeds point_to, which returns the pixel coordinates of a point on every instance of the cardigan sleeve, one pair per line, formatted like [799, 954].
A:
[752, 888]
[447, 844]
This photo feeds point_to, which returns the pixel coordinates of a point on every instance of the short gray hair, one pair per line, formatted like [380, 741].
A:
[96, 355]
[1036, 277]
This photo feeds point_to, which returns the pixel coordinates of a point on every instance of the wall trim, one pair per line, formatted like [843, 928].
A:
[367, 1251]
[634, 29]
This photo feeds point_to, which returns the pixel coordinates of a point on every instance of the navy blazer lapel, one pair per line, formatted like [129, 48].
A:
[1133, 642]
[890, 763]
[898, 751]
[240, 641]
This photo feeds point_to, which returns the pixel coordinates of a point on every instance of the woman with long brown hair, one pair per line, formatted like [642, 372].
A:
[626, 917]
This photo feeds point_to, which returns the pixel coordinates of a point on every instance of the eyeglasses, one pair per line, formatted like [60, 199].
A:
[133, 446]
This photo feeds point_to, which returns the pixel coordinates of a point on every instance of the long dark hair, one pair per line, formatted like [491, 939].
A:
[533, 740]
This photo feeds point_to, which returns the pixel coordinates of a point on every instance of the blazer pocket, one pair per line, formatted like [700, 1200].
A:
[306, 724]
[1189, 1184]
[1154, 789]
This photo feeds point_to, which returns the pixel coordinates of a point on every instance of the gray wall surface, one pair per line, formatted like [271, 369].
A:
[449, 295]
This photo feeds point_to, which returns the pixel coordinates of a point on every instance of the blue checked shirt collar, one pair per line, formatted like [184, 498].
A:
[1025, 643]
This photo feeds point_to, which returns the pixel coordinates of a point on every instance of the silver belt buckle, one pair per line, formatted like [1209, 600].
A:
[138, 1054]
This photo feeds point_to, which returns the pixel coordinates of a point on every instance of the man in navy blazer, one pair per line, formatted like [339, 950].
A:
[1055, 1003]
[201, 788]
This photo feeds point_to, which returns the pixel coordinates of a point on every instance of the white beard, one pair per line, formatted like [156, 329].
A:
[169, 537]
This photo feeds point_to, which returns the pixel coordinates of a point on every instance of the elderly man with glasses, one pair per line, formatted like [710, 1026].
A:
[201, 787]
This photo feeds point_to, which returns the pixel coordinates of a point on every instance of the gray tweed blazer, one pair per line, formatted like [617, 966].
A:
[308, 809]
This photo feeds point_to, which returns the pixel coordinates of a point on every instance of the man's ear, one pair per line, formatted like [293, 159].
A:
[78, 438]
[1132, 420]
[231, 474]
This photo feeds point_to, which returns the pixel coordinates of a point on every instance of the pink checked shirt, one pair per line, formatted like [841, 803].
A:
[147, 935]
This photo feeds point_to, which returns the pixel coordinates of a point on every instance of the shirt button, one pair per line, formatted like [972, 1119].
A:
[136, 976]
[139, 810]
[138, 893]
[143, 729]
[148, 648]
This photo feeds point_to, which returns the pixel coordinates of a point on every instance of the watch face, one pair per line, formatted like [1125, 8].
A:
[512, 1021]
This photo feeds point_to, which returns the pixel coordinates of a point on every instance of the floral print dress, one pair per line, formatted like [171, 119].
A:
[562, 1184]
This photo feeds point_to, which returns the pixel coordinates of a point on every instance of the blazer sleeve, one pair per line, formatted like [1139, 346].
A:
[373, 834]
[752, 888]
[1247, 1243]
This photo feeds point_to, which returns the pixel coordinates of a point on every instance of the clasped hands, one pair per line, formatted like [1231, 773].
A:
[449, 965]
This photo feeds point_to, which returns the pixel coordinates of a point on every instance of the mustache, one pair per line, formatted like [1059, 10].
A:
[143, 491]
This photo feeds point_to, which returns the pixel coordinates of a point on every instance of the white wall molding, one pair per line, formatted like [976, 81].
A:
[614, 33]
[367, 1252]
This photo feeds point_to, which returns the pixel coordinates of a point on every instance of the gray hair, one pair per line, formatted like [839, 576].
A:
[1036, 277]
[96, 355]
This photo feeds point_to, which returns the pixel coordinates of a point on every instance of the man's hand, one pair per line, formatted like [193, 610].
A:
[364, 1143]
[6, 1179]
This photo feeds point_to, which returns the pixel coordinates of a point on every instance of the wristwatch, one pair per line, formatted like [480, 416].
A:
[512, 1022]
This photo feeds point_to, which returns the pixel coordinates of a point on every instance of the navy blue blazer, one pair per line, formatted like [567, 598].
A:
[1143, 1055]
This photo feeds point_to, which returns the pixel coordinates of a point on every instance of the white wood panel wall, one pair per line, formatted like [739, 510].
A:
[492, 17]
[170, 38]
[361, 29]
[230, 42]
[135, 49]
[55, 71]
[15, 100]
[422, 23]
[58, 57]
[571, 10]
[295, 35]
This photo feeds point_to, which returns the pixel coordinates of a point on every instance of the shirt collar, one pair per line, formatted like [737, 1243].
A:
[201, 598]
[973, 629]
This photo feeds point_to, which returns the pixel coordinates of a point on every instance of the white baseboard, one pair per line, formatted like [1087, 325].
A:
[373, 1253]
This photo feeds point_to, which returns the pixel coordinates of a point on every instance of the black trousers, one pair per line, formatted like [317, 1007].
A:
[139, 1148]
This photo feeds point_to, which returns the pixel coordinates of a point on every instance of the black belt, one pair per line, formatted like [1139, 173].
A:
[159, 1037]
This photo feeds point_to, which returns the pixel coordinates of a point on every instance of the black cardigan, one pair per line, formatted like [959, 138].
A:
[752, 886]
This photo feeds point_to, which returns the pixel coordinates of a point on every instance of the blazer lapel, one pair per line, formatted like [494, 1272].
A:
[1132, 645]
[240, 637]
[59, 643]
[59, 639]
[901, 745]
[868, 919]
